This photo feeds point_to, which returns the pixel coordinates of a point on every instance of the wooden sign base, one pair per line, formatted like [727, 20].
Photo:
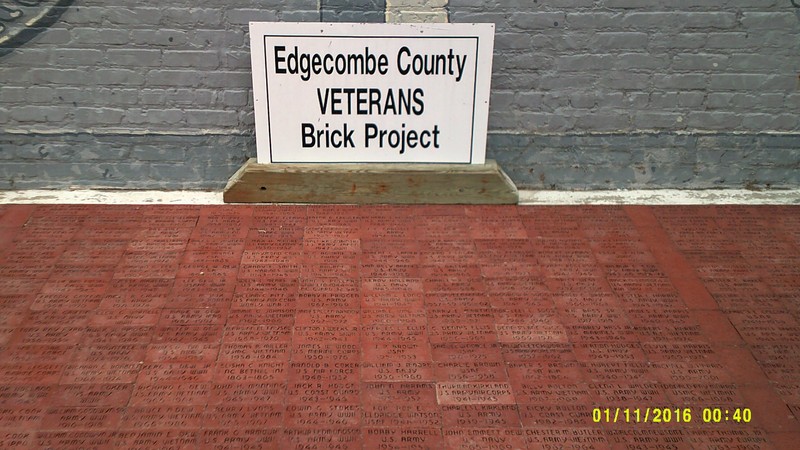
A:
[371, 183]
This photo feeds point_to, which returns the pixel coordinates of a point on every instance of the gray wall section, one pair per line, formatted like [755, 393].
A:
[147, 161]
[587, 94]
[648, 160]
[600, 161]
[134, 67]
[578, 66]
[353, 11]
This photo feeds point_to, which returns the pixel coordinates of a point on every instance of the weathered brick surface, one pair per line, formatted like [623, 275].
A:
[122, 54]
[416, 11]
[353, 11]
[643, 72]
[648, 160]
[637, 48]
[152, 161]
[126, 74]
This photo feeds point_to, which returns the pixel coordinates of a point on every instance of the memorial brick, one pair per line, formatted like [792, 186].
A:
[178, 372]
[182, 352]
[170, 394]
[477, 438]
[162, 417]
[73, 439]
[72, 418]
[402, 438]
[247, 392]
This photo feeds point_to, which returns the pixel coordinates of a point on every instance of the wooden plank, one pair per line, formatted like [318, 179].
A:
[371, 183]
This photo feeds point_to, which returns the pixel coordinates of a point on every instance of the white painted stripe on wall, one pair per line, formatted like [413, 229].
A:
[416, 11]
[634, 197]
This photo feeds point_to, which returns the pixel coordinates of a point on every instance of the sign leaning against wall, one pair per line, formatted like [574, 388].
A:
[363, 93]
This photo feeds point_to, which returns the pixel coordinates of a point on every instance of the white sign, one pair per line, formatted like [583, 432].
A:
[352, 93]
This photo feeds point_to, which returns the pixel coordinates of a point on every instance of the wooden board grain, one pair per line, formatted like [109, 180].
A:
[371, 183]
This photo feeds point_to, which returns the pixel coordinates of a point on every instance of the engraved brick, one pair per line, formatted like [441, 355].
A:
[31, 353]
[18, 395]
[604, 351]
[587, 436]
[192, 316]
[553, 394]
[155, 438]
[45, 334]
[162, 417]
[323, 415]
[474, 393]
[484, 437]
[251, 372]
[567, 300]
[388, 270]
[253, 351]
[323, 392]
[531, 333]
[15, 439]
[701, 395]
[526, 351]
[249, 393]
[397, 371]
[546, 371]
[125, 317]
[403, 438]
[458, 299]
[324, 371]
[679, 351]
[92, 395]
[330, 316]
[393, 316]
[170, 394]
[182, 352]
[274, 317]
[310, 352]
[100, 372]
[344, 438]
[405, 392]
[121, 353]
[707, 436]
[257, 333]
[559, 415]
[20, 417]
[73, 439]
[392, 300]
[470, 371]
[188, 372]
[691, 372]
[188, 334]
[463, 333]
[396, 351]
[480, 416]
[246, 438]
[30, 373]
[70, 417]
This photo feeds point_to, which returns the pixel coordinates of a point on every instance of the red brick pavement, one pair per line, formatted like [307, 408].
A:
[399, 327]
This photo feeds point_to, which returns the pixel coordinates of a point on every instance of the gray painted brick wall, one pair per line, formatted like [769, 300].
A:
[137, 67]
[353, 11]
[616, 65]
[592, 94]
[587, 94]
[114, 160]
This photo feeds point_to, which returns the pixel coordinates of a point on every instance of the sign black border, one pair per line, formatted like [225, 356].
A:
[474, 93]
